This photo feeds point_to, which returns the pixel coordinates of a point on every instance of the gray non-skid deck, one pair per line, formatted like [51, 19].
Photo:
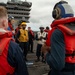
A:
[36, 68]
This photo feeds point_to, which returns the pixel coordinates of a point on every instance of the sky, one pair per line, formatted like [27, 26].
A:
[41, 12]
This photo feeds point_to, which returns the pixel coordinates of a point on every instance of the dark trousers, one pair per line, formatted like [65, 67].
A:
[24, 47]
[30, 46]
[38, 52]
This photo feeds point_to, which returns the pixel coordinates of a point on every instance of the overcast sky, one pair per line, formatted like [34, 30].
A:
[41, 12]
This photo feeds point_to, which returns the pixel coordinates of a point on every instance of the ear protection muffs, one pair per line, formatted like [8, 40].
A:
[56, 13]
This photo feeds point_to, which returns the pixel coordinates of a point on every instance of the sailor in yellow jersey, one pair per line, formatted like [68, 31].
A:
[22, 37]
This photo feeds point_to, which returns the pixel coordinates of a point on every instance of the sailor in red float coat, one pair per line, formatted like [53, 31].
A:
[31, 39]
[8, 60]
[61, 57]
[11, 55]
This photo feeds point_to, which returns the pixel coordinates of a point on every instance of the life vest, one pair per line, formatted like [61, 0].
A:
[31, 32]
[10, 26]
[64, 25]
[46, 31]
[42, 41]
[48, 43]
[23, 35]
[5, 68]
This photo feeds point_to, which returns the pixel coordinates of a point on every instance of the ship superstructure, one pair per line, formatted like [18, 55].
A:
[18, 9]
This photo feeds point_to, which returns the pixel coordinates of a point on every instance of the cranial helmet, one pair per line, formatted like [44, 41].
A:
[23, 24]
[62, 10]
[10, 17]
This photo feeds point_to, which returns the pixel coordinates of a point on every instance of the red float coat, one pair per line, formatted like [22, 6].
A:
[5, 68]
[69, 36]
